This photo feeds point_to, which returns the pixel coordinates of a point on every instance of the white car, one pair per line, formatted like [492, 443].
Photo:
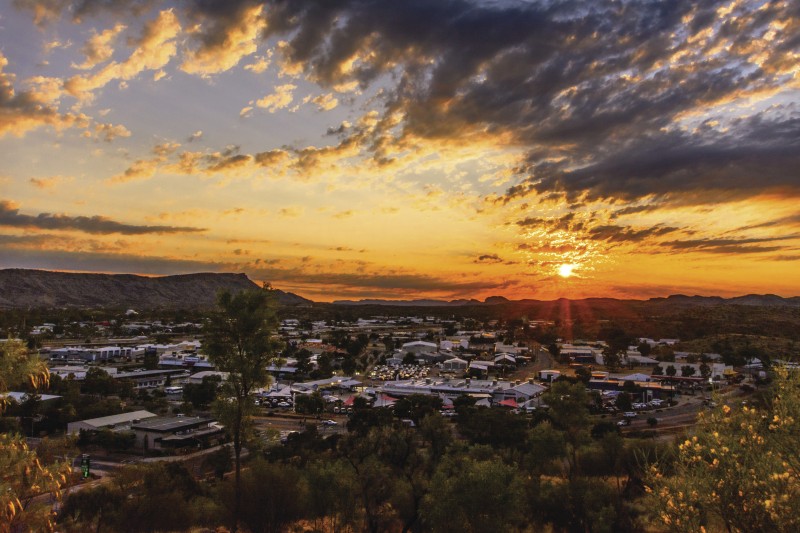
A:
[330, 423]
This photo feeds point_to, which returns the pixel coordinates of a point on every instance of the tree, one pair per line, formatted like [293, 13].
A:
[202, 394]
[309, 404]
[474, 494]
[687, 371]
[240, 341]
[644, 349]
[22, 474]
[671, 370]
[570, 413]
[150, 359]
[270, 511]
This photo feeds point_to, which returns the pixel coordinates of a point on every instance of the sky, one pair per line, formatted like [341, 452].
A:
[347, 149]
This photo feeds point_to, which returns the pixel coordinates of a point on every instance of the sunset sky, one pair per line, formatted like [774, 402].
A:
[407, 149]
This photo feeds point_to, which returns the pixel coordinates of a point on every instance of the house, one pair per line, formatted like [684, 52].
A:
[149, 379]
[115, 422]
[455, 365]
[482, 367]
[419, 348]
[160, 433]
[549, 375]
[197, 377]
[499, 348]
[640, 360]
[505, 359]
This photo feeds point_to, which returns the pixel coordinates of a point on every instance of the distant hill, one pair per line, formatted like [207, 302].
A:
[676, 300]
[761, 300]
[20, 288]
[492, 300]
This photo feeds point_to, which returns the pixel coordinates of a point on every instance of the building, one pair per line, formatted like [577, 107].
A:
[197, 378]
[115, 422]
[419, 347]
[455, 365]
[160, 433]
[495, 391]
[150, 379]
[91, 354]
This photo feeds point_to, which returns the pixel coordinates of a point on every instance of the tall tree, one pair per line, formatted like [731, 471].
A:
[241, 341]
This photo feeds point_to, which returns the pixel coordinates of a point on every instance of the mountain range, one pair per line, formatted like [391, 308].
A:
[21, 288]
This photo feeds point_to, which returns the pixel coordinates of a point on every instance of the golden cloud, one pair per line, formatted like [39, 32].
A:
[239, 41]
[154, 49]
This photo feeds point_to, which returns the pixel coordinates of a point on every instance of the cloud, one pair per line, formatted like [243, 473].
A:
[11, 217]
[23, 111]
[325, 102]
[611, 103]
[729, 246]
[98, 48]
[261, 63]
[291, 212]
[45, 183]
[488, 259]
[227, 34]
[108, 132]
[153, 50]
[196, 136]
[616, 234]
[280, 99]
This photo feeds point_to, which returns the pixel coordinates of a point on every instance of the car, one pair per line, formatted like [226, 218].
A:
[284, 404]
[330, 423]
[629, 414]
[624, 422]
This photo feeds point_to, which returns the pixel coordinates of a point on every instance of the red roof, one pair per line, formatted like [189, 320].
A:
[511, 402]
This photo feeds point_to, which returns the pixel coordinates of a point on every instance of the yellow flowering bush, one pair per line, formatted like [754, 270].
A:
[738, 471]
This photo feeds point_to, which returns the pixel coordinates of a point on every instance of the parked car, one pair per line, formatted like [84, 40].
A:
[284, 404]
[624, 422]
[330, 423]
[629, 414]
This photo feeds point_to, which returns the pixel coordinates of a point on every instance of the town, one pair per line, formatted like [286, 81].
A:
[132, 391]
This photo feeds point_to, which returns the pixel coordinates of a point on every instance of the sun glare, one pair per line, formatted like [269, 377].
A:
[565, 270]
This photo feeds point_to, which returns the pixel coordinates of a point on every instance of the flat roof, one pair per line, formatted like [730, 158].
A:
[122, 418]
[169, 424]
[146, 373]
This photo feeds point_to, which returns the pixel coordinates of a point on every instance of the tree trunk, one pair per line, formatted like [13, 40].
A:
[237, 452]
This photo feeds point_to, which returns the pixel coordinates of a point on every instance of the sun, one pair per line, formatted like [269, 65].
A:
[566, 269]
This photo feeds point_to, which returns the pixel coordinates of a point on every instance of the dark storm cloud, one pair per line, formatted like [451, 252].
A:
[597, 83]
[11, 217]
[596, 86]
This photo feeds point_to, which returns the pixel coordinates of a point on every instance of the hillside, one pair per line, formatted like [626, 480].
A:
[21, 288]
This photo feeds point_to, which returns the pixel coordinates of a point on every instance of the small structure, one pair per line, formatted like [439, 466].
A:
[175, 432]
[455, 365]
[549, 375]
[115, 422]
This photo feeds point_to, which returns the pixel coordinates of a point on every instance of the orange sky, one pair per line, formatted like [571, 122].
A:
[406, 149]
